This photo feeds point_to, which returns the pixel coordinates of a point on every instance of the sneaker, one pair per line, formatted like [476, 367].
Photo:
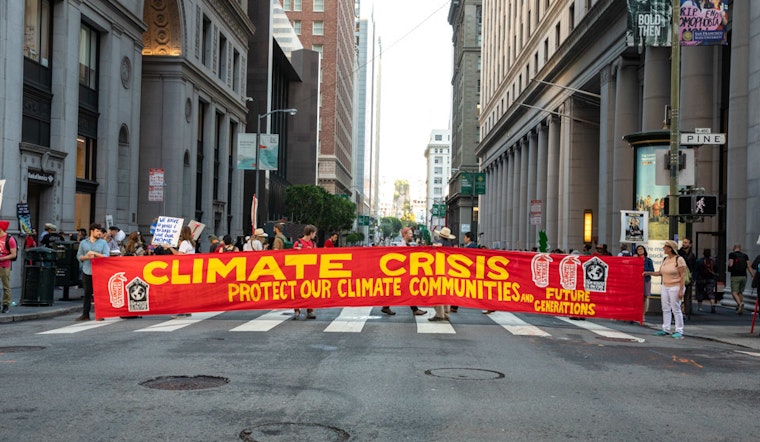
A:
[387, 311]
[5, 309]
[436, 319]
[660, 333]
[677, 335]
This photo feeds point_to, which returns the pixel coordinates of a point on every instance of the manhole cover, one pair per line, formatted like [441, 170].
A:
[465, 374]
[185, 382]
[289, 431]
[20, 348]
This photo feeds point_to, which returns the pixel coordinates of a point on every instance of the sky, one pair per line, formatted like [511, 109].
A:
[416, 80]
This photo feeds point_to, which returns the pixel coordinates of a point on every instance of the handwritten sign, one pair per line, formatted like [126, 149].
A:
[196, 228]
[167, 231]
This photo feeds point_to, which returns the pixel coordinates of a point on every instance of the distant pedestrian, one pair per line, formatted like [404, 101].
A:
[704, 273]
[691, 261]
[738, 264]
[257, 242]
[673, 272]
[90, 248]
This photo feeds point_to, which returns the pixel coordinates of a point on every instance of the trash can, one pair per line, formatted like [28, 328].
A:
[67, 266]
[39, 276]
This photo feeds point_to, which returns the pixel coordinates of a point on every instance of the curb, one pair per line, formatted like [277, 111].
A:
[5, 319]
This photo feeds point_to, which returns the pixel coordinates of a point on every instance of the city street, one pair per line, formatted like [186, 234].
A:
[356, 374]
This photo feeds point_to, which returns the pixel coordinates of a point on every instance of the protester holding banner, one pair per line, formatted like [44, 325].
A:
[673, 272]
[407, 239]
[445, 239]
[90, 248]
[303, 243]
[641, 252]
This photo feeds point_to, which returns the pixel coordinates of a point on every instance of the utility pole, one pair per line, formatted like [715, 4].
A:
[675, 118]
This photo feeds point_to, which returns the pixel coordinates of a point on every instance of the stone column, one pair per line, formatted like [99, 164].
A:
[514, 231]
[552, 181]
[656, 87]
[541, 166]
[532, 192]
[606, 148]
[626, 122]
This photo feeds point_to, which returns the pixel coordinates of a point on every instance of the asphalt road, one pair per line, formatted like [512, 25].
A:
[397, 379]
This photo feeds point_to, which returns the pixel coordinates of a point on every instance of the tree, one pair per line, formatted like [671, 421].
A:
[310, 204]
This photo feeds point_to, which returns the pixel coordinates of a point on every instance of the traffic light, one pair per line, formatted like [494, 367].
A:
[696, 205]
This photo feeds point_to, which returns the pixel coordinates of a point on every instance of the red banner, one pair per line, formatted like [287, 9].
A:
[564, 285]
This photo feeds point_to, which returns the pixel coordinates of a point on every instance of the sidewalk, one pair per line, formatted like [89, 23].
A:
[724, 326]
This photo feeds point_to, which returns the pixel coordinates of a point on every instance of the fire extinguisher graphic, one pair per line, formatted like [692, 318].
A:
[116, 289]
[539, 267]
[568, 272]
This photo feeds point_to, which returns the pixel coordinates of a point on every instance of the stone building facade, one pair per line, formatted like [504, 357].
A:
[560, 90]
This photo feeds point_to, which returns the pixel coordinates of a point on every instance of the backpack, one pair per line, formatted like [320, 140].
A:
[8, 237]
[286, 244]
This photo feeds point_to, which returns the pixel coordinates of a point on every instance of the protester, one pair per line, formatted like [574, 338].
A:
[305, 242]
[407, 239]
[673, 272]
[445, 239]
[255, 243]
[133, 245]
[7, 254]
[214, 243]
[641, 252]
[186, 247]
[331, 241]
[227, 245]
[90, 248]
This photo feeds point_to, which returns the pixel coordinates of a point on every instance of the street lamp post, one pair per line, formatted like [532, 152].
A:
[258, 147]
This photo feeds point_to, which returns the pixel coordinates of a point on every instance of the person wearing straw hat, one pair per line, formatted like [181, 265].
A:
[255, 243]
[7, 254]
[445, 239]
[673, 272]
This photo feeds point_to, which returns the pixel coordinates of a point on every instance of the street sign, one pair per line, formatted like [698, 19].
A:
[698, 139]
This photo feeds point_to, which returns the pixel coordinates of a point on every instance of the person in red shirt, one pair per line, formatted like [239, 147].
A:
[7, 254]
[305, 242]
[331, 241]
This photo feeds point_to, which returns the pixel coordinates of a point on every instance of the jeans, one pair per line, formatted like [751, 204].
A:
[671, 305]
[87, 300]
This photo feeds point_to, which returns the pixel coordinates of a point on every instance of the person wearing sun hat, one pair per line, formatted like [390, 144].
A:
[673, 272]
[6, 255]
[445, 239]
[255, 243]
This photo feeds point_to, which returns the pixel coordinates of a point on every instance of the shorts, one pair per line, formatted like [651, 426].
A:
[738, 283]
[705, 289]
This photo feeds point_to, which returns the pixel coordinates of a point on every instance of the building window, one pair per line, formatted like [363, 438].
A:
[287, 5]
[437, 191]
[318, 28]
[557, 35]
[319, 5]
[571, 17]
[86, 158]
[437, 160]
[88, 57]
[438, 137]
[317, 48]
[437, 180]
[297, 27]
[438, 170]
[222, 65]
[235, 70]
[206, 39]
[37, 31]
[296, 5]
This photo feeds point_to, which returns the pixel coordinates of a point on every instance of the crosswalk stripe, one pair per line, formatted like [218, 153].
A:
[80, 326]
[178, 323]
[265, 322]
[350, 320]
[439, 327]
[515, 325]
[601, 330]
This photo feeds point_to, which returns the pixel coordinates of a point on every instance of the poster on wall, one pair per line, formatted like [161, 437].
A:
[703, 22]
[634, 226]
[24, 218]
[649, 23]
